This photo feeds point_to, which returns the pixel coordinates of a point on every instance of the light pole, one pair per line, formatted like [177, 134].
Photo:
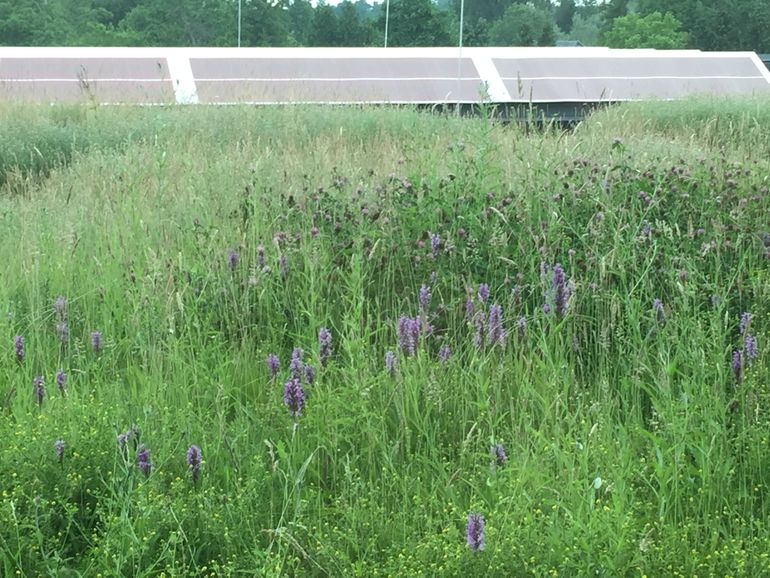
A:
[239, 23]
[387, 18]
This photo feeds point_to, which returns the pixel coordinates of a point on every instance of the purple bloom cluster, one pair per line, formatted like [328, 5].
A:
[408, 334]
[390, 362]
[435, 243]
[745, 321]
[96, 342]
[750, 348]
[296, 366]
[521, 326]
[38, 386]
[483, 293]
[18, 347]
[496, 334]
[194, 461]
[143, 461]
[60, 308]
[425, 296]
[488, 327]
[324, 345]
[273, 365]
[283, 264]
[737, 365]
[561, 292]
[294, 397]
[58, 447]
[444, 353]
[63, 331]
[498, 454]
[474, 531]
[61, 381]
[233, 258]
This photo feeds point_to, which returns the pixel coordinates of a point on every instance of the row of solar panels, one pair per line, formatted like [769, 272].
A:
[372, 75]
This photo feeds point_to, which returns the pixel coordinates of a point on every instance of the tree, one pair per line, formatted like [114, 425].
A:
[565, 14]
[652, 31]
[351, 31]
[300, 21]
[265, 23]
[587, 29]
[324, 31]
[523, 25]
[415, 23]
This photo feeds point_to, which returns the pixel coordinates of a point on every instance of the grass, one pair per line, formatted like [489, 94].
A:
[632, 448]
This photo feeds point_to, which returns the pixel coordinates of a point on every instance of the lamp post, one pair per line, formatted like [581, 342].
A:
[239, 23]
[387, 18]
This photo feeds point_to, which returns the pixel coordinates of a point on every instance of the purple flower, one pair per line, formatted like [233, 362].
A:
[60, 308]
[745, 320]
[233, 258]
[324, 345]
[58, 447]
[737, 365]
[750, 347]
[96, 341]
[408, 334]
[283, 264]
[521, 326]
[309, 374]
[657, 307]
[424, 298]
[478, 336]
[261, 257]
[123, 440]
[296, 366]
[143, 460]
[483, 292]
[561, 291]
[496, 333]
[435, 243]
[38, 386]
[470, 309]
[294, 397]
[498, 454]
[63, 331]
[546, 308]
[390, 362]
[61, 380]
[194, 461]
[18, 346]
[474, 531]
[444, 354]
[273, 365]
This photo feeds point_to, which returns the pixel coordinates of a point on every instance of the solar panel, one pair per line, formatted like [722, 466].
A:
[372, 75]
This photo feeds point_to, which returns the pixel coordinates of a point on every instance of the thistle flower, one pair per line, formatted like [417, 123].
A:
[273, 365]
[324, 345]
[18, 346]
[61, 380]
[63, 331]
[408, 334]
[96, 342]
[750, 347]
[58, 447]
[424, 298]
[390, 362]
[38, 386]
[261, 261]
[737, 365]
[60, 308]
[745, 320]
[444, 354]
[483, 292]
[143, 460]
[194, 461]
[498, 454]
[474, 531]
[296, 366]
[233, 258]
[294, 397]
[496, 333]
[561, 291]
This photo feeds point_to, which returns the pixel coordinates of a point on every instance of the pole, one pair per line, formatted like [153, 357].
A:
[239, 23]
[387, 18]
[460, 51]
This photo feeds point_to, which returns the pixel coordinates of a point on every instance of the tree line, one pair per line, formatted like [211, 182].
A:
[703, 24]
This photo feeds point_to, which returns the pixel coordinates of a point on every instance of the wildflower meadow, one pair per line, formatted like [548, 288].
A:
[332, 341]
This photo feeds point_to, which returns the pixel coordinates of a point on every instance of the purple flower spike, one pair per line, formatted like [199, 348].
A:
[408, 334]
[470, 309]
[483, 292]
[498, 454]
[58, 447]
[38, 385]
[390, 362]
[294, 397]
[424, 298]
[496, 333]
[296, 366]
[63, 331]
[561, 291]
[273, 365]
[61, 381]
[309, 374]
[444, 354]
[283, 264]
[60, 308]
[521, 326]
[18, 347]
[324, 345]
[435, 243]
[96, 342]
[194, 461]
[233, 258]
[143, 460]
[737, 366]
[745, 320]
[750, 347]
[261, 257]
[474, 531]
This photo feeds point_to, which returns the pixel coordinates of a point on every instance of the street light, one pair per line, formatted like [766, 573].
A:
[387, 18]
[239, 23]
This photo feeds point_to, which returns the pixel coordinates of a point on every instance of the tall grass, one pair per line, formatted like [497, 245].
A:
[631, 446]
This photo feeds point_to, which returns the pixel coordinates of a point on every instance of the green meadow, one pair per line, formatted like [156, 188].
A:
[575, 324]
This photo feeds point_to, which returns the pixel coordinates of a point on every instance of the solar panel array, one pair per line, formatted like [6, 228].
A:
[372, 75]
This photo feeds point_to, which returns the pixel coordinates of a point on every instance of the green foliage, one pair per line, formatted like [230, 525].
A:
[632, 448]
[415, 23]
[523, 25]
[655, 30]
